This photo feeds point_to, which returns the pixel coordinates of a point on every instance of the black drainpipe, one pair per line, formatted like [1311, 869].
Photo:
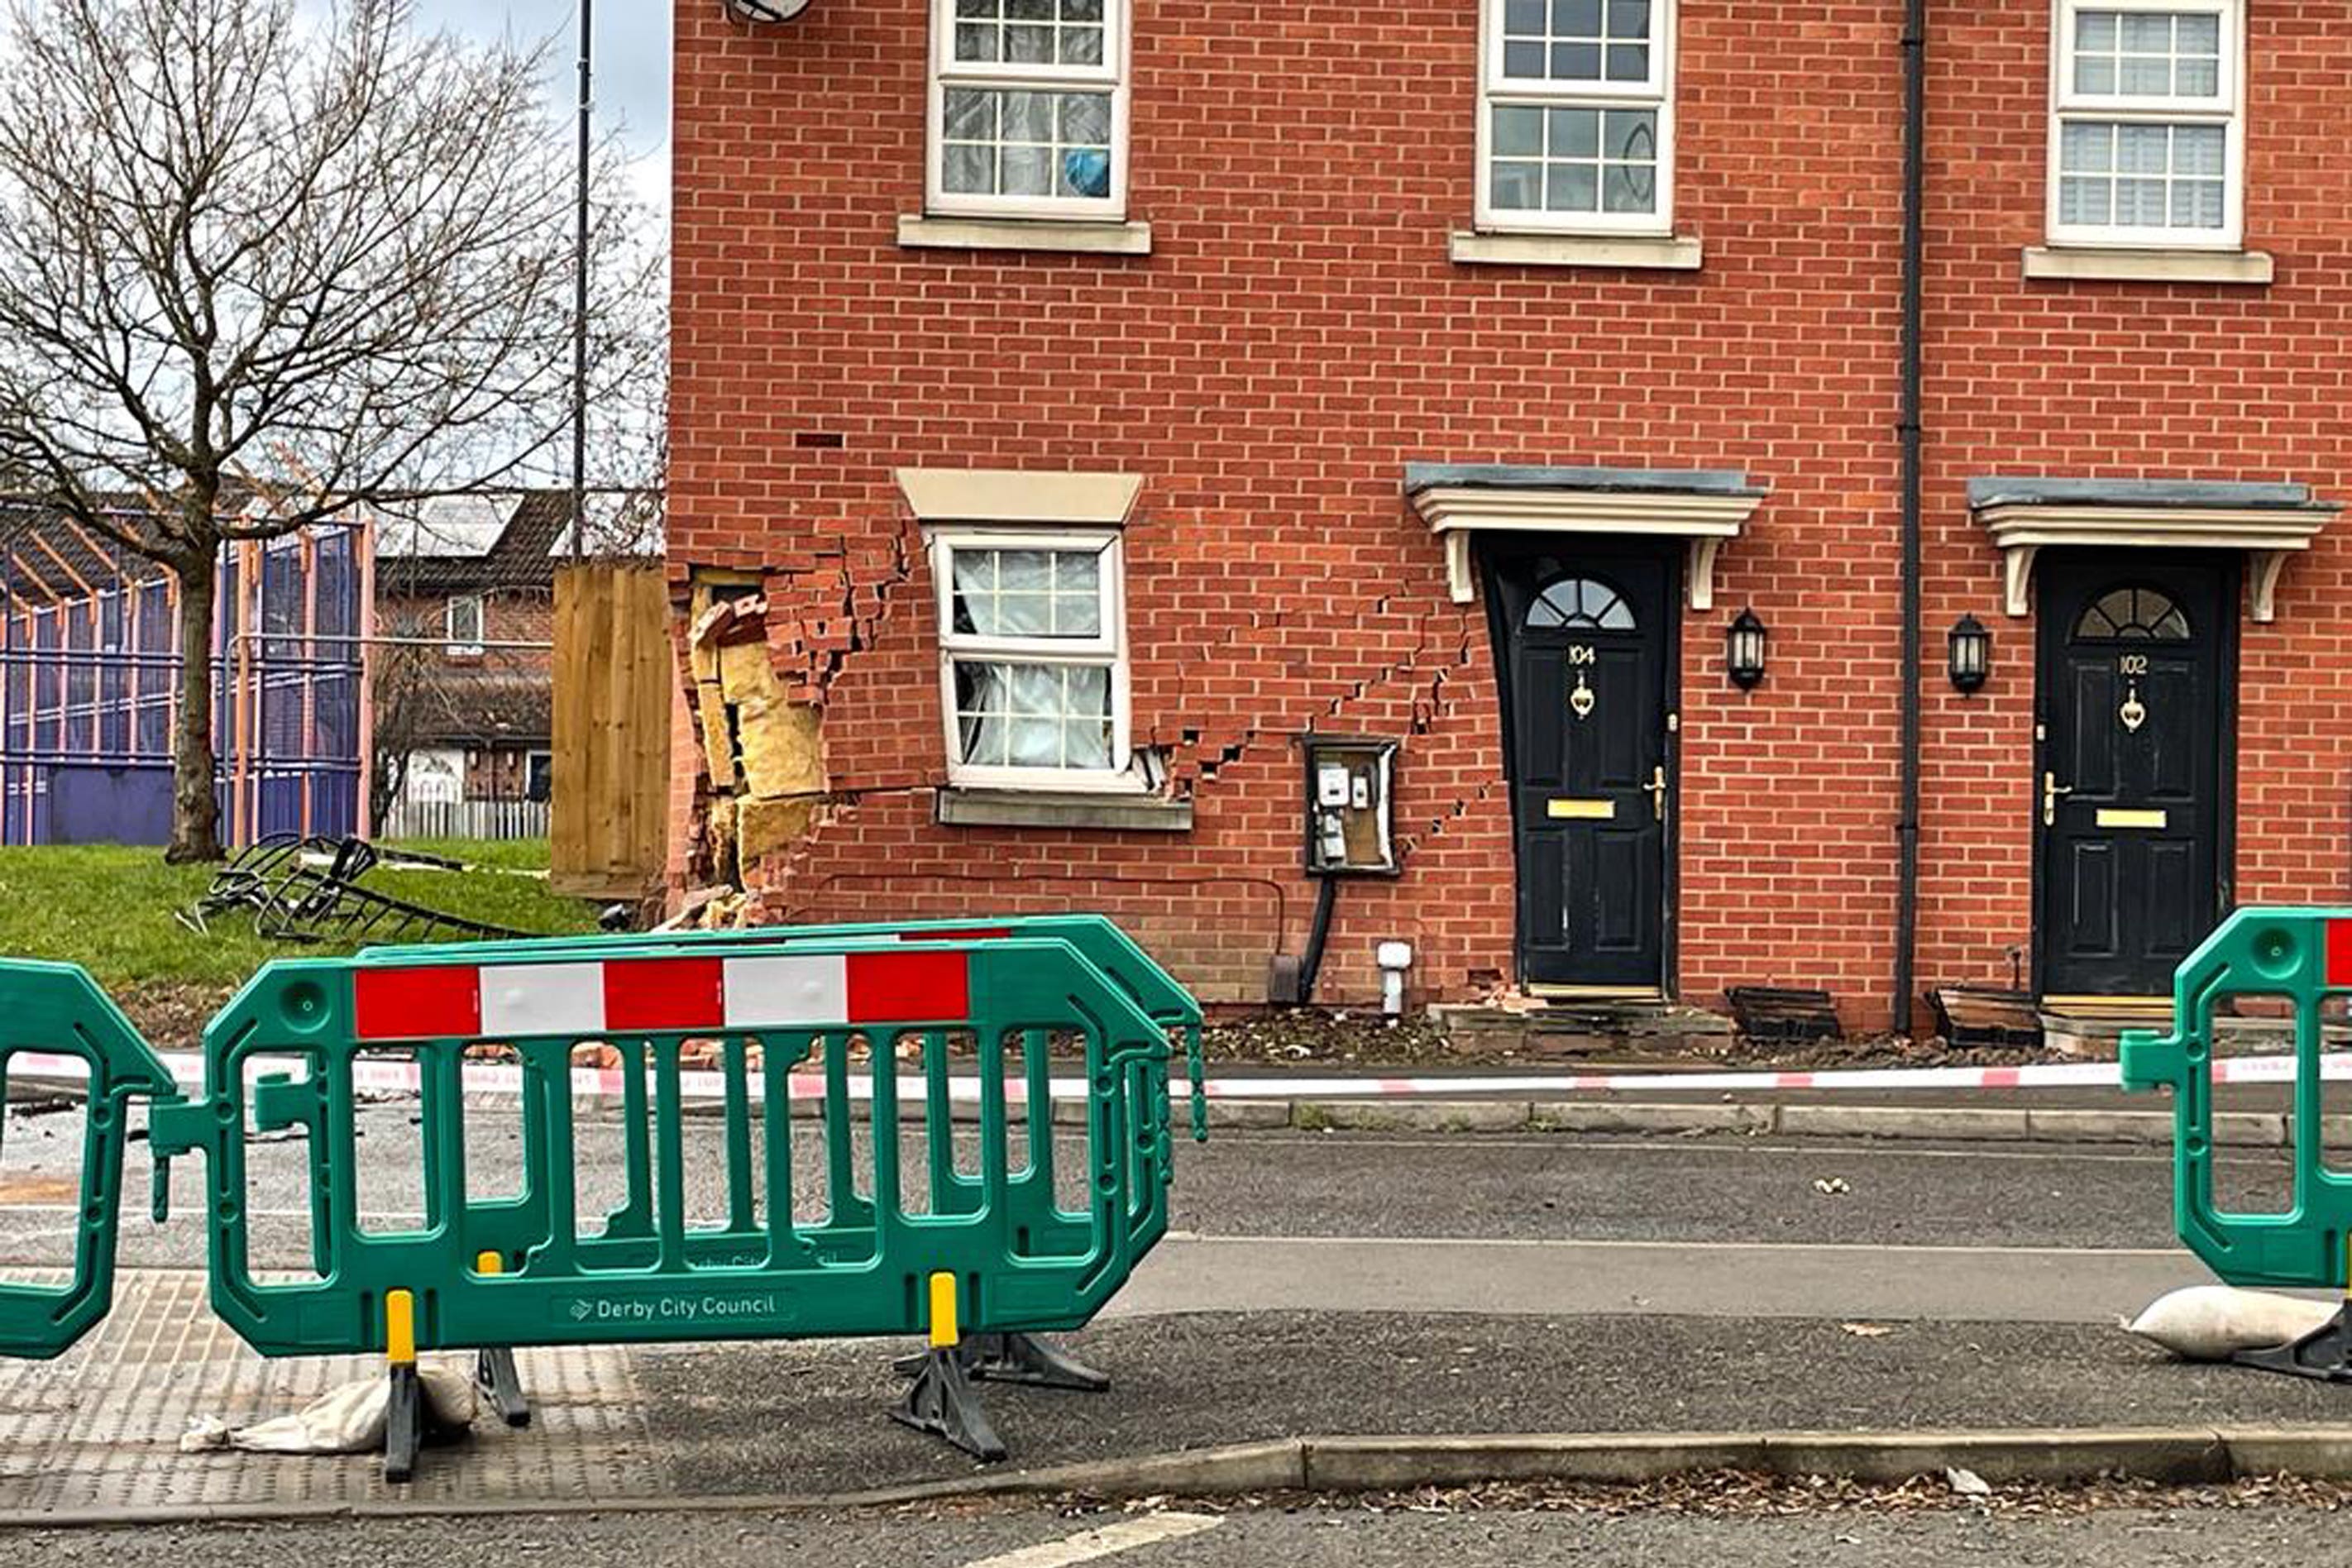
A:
[1915, 190]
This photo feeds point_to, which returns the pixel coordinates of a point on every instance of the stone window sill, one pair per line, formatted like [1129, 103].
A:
[918, 231]
[2252, 267]
[1099, 813]
[1669, 253]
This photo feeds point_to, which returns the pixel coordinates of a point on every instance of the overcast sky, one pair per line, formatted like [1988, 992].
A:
[631, 63]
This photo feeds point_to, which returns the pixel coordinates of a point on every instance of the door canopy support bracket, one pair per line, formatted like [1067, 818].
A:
[1707, 506]
[2270, 523]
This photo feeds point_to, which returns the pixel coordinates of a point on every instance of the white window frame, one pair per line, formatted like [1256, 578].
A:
[457, 646]
[1658, 92]
[2227, 109]
[948, 72]
[1110, 648]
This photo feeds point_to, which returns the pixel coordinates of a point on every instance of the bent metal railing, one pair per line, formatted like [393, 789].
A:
[982, 1242]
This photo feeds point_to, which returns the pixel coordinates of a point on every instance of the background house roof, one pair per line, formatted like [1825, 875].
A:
[506, 539]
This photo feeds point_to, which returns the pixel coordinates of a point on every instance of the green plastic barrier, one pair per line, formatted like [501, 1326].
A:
[2302, 956]
[851, 1273]
[1095, 938]
[54, 1009]
[1013, 1258]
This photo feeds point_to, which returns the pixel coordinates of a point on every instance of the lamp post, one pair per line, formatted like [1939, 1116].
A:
[579, 290]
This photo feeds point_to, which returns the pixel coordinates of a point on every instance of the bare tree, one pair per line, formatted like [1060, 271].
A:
[261, 270]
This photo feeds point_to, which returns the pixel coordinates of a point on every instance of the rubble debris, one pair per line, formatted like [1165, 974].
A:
[309, 889]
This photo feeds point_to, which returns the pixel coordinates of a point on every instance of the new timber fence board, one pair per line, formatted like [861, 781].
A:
[613, 677]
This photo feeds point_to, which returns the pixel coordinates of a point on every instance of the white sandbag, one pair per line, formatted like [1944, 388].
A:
[346, 1420]
[2214, 1322]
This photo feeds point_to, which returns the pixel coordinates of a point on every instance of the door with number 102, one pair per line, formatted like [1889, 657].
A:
[2137, 651]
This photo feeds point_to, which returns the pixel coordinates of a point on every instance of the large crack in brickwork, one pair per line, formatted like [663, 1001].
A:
[768, 793]
[1444, 647]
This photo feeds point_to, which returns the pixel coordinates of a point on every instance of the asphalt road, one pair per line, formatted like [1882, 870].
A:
[1718, 1190]
[798, 1419]
[2278, 1537]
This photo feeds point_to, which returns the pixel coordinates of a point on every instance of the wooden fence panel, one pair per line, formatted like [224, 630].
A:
[614, 675]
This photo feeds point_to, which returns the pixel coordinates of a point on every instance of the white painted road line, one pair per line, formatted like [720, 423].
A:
[1127, 1535]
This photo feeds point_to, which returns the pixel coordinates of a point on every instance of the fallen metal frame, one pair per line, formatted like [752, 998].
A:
[293, 897]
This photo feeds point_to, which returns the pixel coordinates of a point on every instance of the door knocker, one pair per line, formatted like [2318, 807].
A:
[1581, 701]
[2134, 712]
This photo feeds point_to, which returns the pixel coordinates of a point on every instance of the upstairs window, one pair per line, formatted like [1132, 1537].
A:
[1028, 114]
[1033, 648]
[1576, 116]
[2147, 145]
[463, 627]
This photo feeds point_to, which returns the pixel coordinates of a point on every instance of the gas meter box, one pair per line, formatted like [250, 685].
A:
[1349, 785]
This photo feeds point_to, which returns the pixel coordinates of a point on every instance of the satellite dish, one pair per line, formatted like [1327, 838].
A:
[765, 10]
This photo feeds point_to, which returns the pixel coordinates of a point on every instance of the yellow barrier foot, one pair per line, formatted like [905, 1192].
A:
[942, 1403]
[495, 1376]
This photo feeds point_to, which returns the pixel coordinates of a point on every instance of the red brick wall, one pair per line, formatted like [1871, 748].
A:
[1298, 334]
[508, 614]
[2134, 381]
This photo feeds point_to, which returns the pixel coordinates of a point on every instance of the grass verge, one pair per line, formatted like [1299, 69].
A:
[114, 911]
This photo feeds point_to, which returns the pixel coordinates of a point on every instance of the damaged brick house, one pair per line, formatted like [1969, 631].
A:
[1138, 457]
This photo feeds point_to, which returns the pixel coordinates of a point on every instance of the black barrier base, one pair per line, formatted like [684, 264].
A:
[2324, 1353]
[495, 1376]
[1024, 1359]
[404, 1425]
[942, 1403]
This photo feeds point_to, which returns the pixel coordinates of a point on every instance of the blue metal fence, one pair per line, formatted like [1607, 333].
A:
[89, 678]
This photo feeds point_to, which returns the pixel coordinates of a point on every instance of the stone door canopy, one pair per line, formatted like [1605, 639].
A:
[2271, 522]
[1705, 506]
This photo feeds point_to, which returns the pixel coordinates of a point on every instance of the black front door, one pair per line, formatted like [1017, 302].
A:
[1584, 638]
[2137, 654]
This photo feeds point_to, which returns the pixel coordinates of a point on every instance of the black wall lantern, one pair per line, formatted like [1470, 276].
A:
[1743, 651]
[1971, 654]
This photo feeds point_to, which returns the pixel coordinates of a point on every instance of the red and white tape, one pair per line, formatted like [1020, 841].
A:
[374, 1076]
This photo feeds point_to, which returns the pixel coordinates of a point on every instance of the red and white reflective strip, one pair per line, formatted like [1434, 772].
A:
[401, 1076]
[624, 996]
